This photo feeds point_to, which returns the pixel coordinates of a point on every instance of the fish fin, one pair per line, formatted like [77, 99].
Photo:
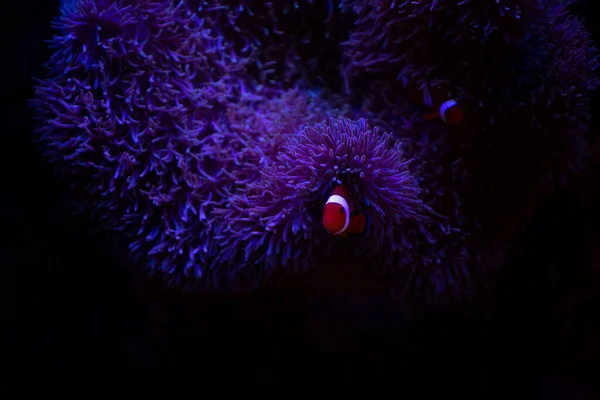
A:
[433, 115]
[358, 224]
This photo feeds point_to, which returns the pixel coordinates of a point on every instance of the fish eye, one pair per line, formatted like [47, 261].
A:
[342, 211]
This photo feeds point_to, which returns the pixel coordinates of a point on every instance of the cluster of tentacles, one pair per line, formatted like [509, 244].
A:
[210, 133]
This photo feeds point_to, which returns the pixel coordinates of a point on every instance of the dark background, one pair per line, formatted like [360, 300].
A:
[83, 313]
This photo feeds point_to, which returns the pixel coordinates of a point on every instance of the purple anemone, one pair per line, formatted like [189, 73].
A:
[196, 129]
[522, 70]
[275, 222]
[134, 114]
[291, 40]
[151, 115]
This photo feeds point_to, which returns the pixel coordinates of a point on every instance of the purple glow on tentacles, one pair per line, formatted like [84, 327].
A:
[191, 127]
[274, 223]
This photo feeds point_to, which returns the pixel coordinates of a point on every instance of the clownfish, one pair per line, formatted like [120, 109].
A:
[337, 215]
[448, 110]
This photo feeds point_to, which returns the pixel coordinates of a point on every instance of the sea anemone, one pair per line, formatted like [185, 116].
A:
[195, 128]
[517, 66]
[131, 114]
[440, 42]
[153, 118]
[274, 223]
[291, 40]
[522, 70]
[158, 122]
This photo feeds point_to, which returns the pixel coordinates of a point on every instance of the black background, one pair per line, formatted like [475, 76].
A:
[85, 314]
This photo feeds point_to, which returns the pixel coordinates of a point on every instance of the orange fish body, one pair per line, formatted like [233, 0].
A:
[448, 110]
[337, 214]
